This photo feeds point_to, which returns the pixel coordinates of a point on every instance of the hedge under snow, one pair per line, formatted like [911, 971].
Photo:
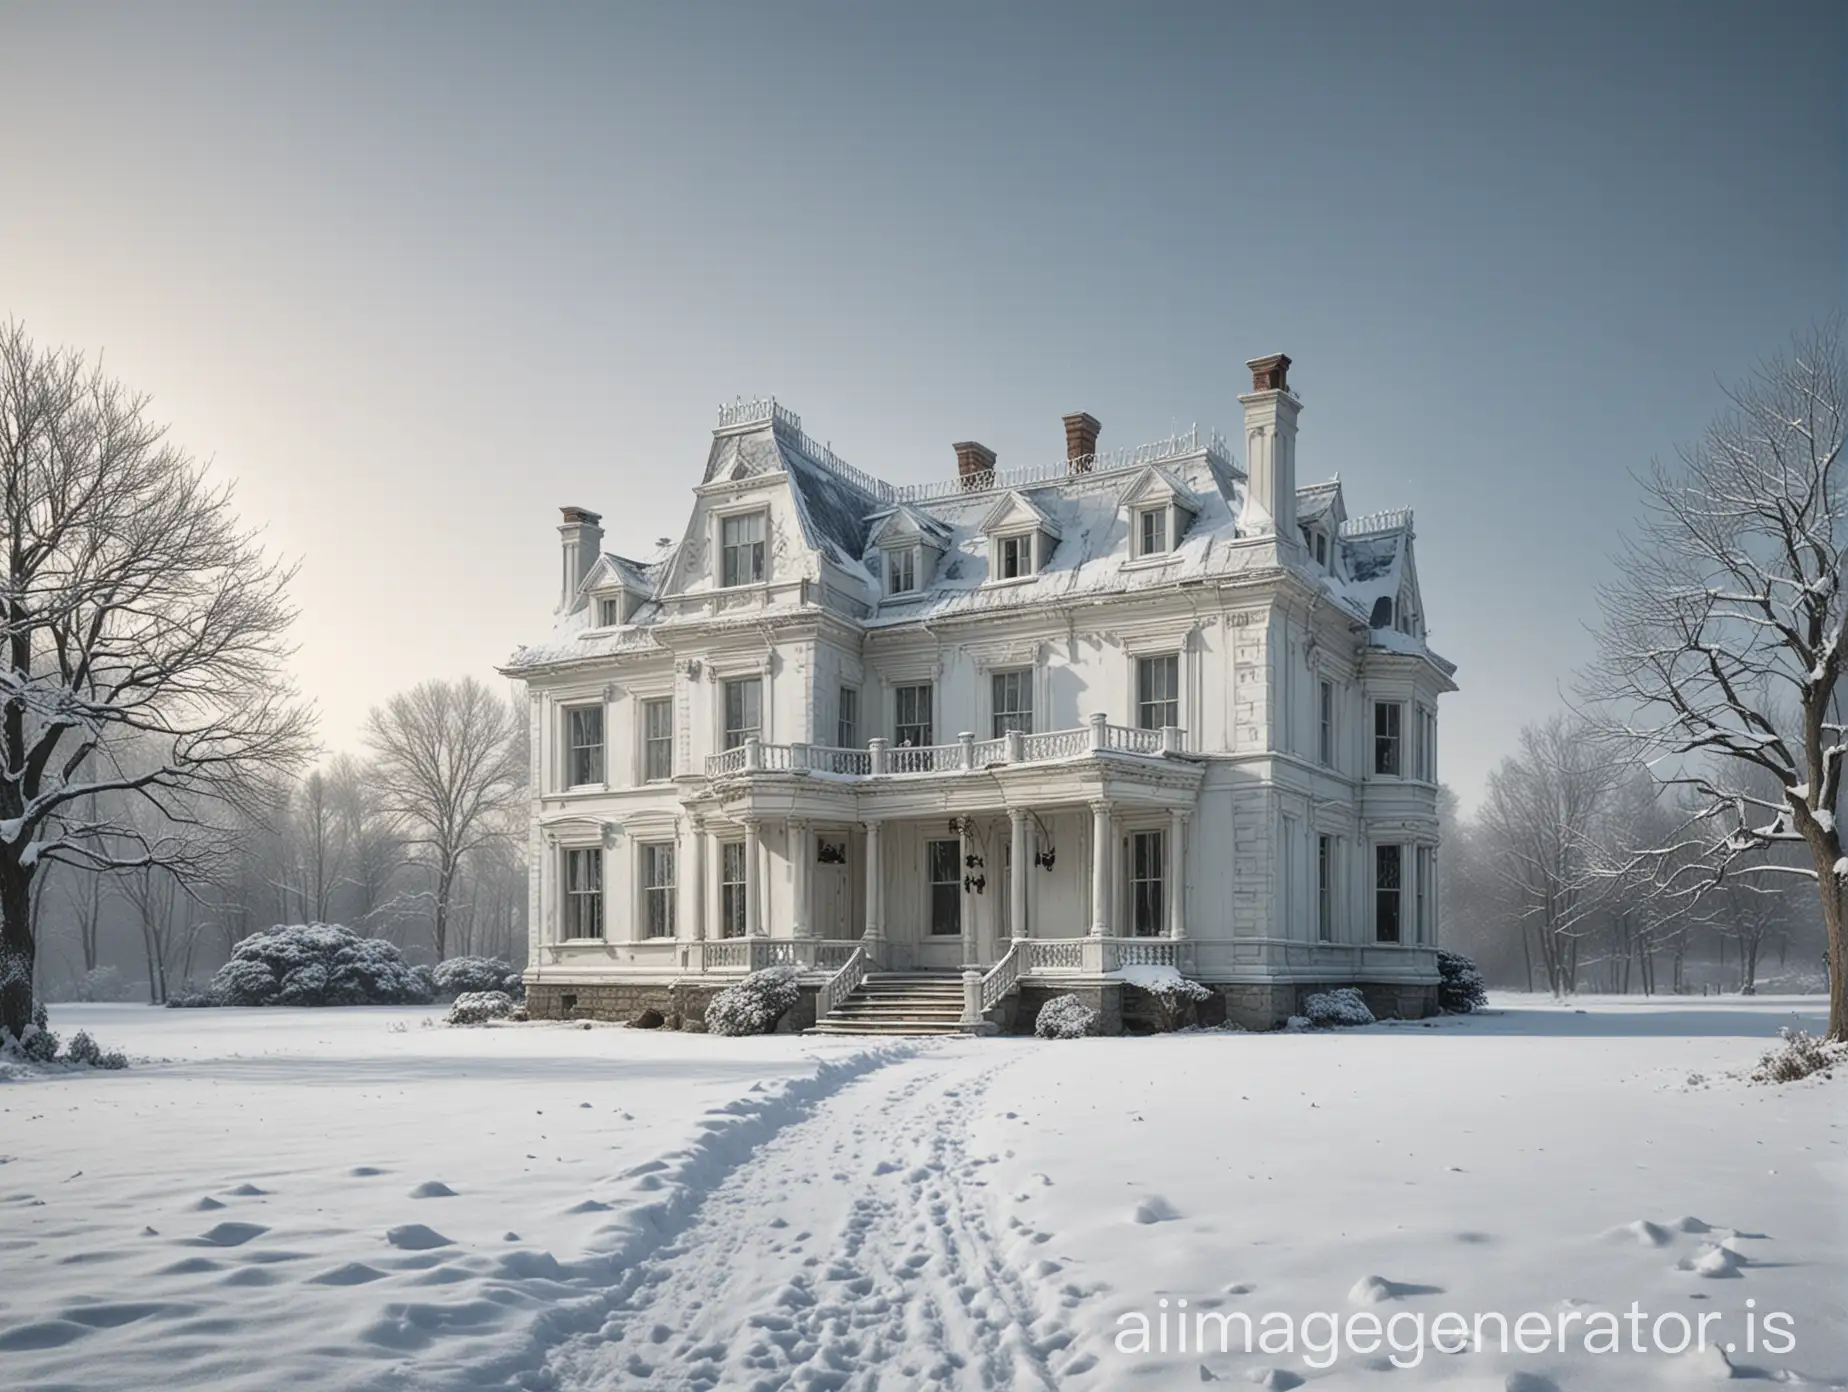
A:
[1065, 1017]
[457, 976]
[478, 1007]
[1460, 987]
[1342, 1006]
[755, 1004]
[317, 964]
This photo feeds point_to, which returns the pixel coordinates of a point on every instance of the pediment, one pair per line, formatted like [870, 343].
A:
[1014, 513]
[905, 525]
[1155, 485]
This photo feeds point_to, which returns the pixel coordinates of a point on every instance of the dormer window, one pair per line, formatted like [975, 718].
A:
[902, 571]
[1315, 541]
[609, 611]
[741, 545]
[1016, 557]
[1152, 531]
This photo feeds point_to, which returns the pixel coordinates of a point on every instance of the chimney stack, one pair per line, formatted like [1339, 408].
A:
[1081, 428]
[975, 464]
[1270, 451]
[582, 538]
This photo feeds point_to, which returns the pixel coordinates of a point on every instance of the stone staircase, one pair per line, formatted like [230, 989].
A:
[899, 1003]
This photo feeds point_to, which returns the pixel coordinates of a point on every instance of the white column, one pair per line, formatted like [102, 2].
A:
[1103, 851]
[753, 878]
[696, 875]
[802, 857]
[1177, 873]
[1020, 858]
[967, 917]
[875, 890]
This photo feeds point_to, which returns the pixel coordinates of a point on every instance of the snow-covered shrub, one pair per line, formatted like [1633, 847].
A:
[87, 1051]
[755, 1004]
[38, 1044]
[1066, 1017]
[1802, 1056]
[189, 999]
[316, 964]
[103, 984]
[423, 982]
[478, 1007]
[457, 976]
[1460, 987]
[1342, 1006]
[1175, 997]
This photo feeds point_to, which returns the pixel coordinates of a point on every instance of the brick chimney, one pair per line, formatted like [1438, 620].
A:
[1081, 429]
[1270, 451]
[974, 463]
[582, 539]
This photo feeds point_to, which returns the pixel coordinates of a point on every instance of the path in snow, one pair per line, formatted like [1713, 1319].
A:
[854, 1250]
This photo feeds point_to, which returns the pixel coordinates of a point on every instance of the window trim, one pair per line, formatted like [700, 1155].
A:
[573, 902]
[933, 885]
[1141, 661]
[929, 723]
[1026, 682]
[1325, 721]
[721, 549]
[726, 729]
[847, 717]
[1381, 858]
[571, 747]
[655, 893]
[645, 706]
[1324, 887]
[1147, 890]
[912, 562]
[1164, 511]
[733, 903]
[1393, 740]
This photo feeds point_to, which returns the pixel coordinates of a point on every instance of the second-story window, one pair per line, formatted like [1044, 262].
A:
[744, 710]
[912, 723]
[657, 739]
[1013, 702]
[1325, 745]
[901, 571]
[1158, 691]
[1427, 745]
[1387, 716]
[847, 726]
[584, 741]
[741, 542]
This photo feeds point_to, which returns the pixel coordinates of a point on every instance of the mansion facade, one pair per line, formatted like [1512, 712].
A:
[1014, 732]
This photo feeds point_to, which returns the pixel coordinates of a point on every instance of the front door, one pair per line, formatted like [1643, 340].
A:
[833, 889]
[940, 944]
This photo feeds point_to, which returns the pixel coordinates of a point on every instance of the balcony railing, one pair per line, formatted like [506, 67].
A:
[755, 954]
[967, 755]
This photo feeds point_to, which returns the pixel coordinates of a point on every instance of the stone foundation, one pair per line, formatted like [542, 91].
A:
[682, 1003]
[1023, 1007]
[1268, 1005]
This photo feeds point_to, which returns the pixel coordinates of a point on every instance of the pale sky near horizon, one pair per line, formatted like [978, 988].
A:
[416, 275]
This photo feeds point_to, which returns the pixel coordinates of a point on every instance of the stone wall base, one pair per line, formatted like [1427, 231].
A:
[1022, 1009]
[1268, 1005]
[682, 1004]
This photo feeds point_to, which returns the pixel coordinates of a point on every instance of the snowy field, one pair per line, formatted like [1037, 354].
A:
[353, 1199]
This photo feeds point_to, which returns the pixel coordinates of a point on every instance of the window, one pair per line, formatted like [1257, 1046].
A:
[1326, 744]
[1325, 888]
[1147, 864]
[1158, 691]
[945, 888]
[1291, 894]
[1016, 557]
[731, 889]
[901, 571]
[741, 542]
[1427, 745]
[744, 710]
[584, 892]
[847, 726]
[912, 726]
[1152, 531]
[1013, 702]
[609, 612]
[1321, 549]
[1386, 718]
[657, 740]
[1388, 875]
[658, 889]
[584, 736]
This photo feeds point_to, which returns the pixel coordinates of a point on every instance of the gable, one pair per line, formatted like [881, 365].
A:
[1015, 512]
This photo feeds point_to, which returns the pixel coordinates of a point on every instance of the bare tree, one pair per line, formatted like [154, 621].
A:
[1540, 819]
[369, 852]
[449, 764]
[134, 609]
[1730, 611]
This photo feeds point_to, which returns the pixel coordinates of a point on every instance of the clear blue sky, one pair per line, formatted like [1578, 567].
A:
[416, 275]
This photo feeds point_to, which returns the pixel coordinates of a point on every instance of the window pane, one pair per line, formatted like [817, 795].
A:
[914, 716]
[1154, 531]
[1013, 702]
[1328, 723]
[1147, 855]
[847, 730]
[1324, 889]
[731, 889]
[744, 703]
[1158, 691]
[945, 887]
[1388, 870]
[585, 738]
[1386, 717]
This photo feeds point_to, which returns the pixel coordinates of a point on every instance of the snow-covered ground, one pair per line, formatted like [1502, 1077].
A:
[266, 1205]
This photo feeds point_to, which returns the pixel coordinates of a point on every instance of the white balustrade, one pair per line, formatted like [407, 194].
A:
[966, 755]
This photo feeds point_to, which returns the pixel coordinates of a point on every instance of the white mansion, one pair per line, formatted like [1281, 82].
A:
[1019, 729]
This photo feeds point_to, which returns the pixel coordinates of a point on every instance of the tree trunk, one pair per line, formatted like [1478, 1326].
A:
[1831, 894]
[18, 950]
[445, 882]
